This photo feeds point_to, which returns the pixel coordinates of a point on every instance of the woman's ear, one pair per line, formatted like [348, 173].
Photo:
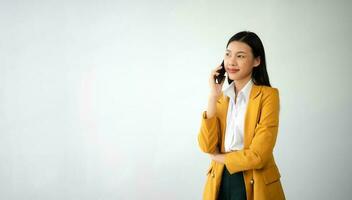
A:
[256, 61]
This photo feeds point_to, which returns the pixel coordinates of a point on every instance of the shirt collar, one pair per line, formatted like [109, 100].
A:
[229, 90]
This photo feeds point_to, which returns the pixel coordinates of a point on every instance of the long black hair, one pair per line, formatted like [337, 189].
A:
[259, 74]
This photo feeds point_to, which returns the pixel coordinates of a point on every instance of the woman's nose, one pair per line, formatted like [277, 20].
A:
[232, 62]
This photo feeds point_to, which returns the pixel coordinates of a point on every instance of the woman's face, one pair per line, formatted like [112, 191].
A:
[239, 61]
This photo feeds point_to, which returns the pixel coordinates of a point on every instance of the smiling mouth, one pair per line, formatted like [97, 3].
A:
[233, 70]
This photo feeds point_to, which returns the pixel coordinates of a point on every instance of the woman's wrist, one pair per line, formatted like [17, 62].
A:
[211, 106]
[213, 97]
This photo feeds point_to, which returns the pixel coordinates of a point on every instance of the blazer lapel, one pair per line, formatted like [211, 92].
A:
[251, 114]
[222, 113]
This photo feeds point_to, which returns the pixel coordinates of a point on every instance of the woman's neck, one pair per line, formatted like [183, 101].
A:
[239, 84]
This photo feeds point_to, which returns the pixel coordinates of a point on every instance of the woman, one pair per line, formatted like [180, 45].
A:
[240, 126]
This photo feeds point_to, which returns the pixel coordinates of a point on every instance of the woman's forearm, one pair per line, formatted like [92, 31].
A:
[211, 106]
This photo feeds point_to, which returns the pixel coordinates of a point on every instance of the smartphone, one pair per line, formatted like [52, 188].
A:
[221, 76]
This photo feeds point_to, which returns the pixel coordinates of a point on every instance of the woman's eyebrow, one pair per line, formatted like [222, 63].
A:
[237, 51]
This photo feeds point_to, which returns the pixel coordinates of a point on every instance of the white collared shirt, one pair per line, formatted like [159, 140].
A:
[234, 135]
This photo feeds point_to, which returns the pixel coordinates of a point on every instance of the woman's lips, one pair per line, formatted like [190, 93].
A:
[233, 70]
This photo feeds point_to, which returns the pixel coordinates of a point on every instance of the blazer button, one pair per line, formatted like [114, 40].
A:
[252, 181]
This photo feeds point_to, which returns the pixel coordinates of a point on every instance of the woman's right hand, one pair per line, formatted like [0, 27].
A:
[215, 89]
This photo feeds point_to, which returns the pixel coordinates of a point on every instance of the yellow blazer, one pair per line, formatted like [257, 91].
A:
[256, 160]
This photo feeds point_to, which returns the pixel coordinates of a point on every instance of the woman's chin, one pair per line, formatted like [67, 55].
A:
[232, 77]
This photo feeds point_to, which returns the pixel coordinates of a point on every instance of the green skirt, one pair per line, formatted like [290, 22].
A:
[232, 186]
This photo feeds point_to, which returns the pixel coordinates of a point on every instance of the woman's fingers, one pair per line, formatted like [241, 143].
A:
[215, 71]
[217, 68]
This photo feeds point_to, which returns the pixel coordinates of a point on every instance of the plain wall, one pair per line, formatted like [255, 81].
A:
[103, 99]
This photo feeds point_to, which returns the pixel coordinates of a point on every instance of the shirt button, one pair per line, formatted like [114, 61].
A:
[212, 175]
[252, 181]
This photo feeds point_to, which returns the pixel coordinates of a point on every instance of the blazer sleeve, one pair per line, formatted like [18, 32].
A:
[208, 136]
[261, 148]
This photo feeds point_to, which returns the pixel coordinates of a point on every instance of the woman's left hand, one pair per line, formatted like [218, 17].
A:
[218, 157]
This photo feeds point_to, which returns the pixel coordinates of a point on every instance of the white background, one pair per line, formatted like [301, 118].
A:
[103, 99]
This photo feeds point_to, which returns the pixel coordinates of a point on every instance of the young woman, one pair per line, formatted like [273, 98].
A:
[240, 126]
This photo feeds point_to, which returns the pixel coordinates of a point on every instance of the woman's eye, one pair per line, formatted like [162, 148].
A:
[240, 56]
[227, 54]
